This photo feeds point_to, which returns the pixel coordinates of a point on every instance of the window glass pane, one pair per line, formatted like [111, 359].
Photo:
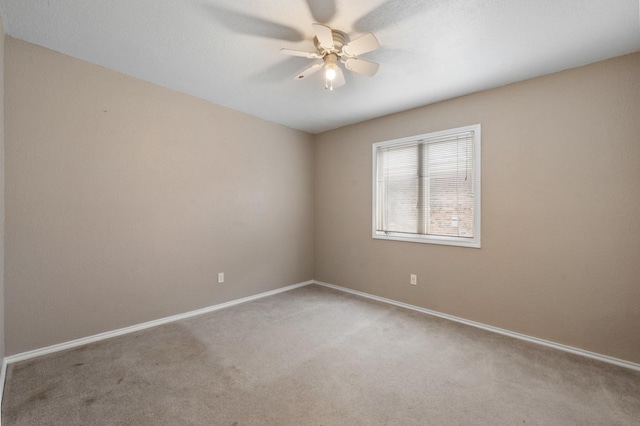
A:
[398, 187]
[449, 167]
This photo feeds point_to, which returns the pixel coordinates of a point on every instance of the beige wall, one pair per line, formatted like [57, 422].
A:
[2, 352]
[560, 256]
[125, 199]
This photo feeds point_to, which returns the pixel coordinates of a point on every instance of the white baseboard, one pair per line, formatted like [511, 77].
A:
[3, 376]
[559, 346]
[126, 330]
[102, 336]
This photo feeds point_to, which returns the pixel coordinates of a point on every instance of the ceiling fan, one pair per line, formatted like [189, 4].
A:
[332, 47]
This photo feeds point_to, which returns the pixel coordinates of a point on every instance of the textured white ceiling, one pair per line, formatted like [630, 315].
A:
[227, 51]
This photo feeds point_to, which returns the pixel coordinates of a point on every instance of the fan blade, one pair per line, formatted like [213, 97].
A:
[309, 70]
[324, 35]
[388, 13]
[323, 10]
[291, 52]
[338, 79]
[363, 44]
[245, 23]
[362, 66]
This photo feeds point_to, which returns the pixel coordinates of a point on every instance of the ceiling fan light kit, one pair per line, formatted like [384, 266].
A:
[332, 47]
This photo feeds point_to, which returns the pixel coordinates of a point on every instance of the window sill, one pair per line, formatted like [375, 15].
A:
[428, 239]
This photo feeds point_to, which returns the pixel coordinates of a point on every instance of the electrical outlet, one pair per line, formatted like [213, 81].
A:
[220, 277]
[413, 279]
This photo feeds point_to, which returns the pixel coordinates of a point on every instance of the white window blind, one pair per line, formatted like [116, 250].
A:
[426, 188]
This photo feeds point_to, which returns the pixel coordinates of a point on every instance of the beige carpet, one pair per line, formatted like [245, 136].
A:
[315, 356]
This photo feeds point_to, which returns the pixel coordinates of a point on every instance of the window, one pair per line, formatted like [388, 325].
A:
[426, 188]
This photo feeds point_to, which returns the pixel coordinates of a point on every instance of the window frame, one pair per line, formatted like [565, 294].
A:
[473, 242]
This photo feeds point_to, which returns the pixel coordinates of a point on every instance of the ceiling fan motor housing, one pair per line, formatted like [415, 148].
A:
[339, 40]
